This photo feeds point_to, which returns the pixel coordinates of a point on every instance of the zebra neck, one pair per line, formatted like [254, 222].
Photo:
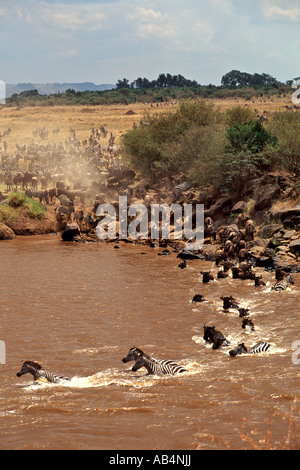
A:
[44, 374]
[149, 364]
[37, 373]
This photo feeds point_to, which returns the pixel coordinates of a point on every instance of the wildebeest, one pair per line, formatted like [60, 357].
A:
[65, 201]
[52, 195]
[279, 274]
[250, 230]
[243, 312]
[182, 264]
[207, 276]
[88, 220]
[209, 229]
[70, 194]
[211, 335]
[199, 298]
[42, 195]
[222, 274]
[247, 323]
[258, 281]
[78, 217]
[229, 302]
[244, 271]
[65, 210]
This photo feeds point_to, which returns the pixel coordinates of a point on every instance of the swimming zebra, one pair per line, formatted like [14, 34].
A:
[260, 347]
[283, 284]
[180, 188]
[35, 369]
[153, 366]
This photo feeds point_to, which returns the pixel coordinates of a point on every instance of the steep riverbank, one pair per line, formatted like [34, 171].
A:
[270, 202]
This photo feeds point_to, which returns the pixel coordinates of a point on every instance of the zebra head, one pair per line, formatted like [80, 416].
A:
[140, 362]
[133, 355]
[29, 367]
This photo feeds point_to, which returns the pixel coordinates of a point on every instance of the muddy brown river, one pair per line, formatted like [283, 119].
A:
[78, 308]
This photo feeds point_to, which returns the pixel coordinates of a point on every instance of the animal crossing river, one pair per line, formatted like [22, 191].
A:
[77, 309]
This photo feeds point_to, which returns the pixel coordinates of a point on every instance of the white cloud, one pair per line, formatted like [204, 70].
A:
[65, 53]
[148, 22]
[281, 10]
[63, 17]
[144, 15]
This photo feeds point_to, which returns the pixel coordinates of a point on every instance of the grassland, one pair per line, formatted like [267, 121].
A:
[23, 121]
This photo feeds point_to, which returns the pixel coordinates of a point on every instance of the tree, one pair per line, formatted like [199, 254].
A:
[249, 136]
[124, 83]
[235, 79]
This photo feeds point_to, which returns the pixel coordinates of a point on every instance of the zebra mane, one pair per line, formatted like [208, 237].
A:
[33, 364]
[141, 353]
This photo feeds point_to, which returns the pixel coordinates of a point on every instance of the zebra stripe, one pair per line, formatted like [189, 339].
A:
[260, 347]
[36, 370]
[160, 366]
[180, 188]
[153, 366]
[283, 284]
[53, 378]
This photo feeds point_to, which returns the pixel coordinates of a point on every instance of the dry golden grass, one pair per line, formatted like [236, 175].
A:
[22, 121]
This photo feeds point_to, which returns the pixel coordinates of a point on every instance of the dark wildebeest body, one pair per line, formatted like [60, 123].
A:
[211, 335]
[258, 281]
[247, 323]
[243, 312]
[207, 277]
[229, 302]
[199, 298]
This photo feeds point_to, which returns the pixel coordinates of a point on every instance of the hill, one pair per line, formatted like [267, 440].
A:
[52, 88]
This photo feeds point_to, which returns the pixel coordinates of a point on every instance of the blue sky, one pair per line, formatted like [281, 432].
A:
[44, 41]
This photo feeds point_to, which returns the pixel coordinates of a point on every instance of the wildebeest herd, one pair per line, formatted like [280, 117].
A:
[60, 172]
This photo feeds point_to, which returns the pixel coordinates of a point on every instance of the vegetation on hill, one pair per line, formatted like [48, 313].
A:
[165, 88]
[213, 149]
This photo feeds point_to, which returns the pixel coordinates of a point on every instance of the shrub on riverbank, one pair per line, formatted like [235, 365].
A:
[211, 148]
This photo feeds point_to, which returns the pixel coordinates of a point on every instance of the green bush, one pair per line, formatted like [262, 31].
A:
[158, 142]
[213, 149]
[239, 115]
[33, 208]
[286, 155]
[249, 136]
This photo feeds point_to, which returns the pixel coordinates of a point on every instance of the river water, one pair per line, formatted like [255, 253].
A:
[78, 308]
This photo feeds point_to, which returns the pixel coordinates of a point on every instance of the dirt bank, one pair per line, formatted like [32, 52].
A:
[23, 224]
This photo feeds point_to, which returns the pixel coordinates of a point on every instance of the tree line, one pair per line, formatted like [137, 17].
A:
[232, 79]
